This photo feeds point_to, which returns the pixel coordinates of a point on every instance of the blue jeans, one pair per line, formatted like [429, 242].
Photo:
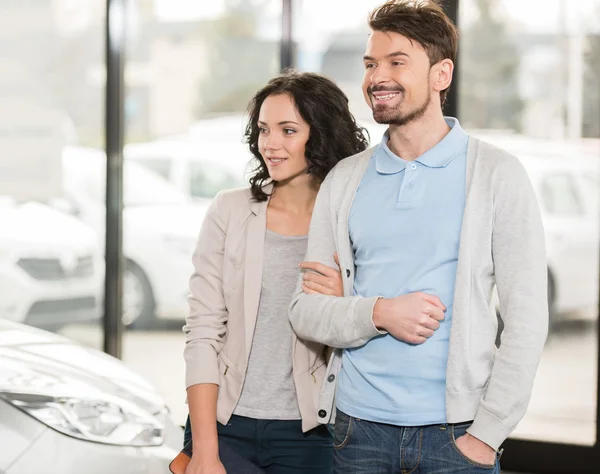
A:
[364, 447]
[276, 446]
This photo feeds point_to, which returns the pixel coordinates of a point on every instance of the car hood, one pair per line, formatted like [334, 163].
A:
[36, 361]
[37, 228]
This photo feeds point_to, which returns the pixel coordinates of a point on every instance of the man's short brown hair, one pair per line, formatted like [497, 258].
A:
[423, 21]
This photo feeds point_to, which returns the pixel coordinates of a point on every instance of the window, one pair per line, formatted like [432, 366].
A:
[52, 97]
[510, 52]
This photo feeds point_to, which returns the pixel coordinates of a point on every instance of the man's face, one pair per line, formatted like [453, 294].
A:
[397, 84]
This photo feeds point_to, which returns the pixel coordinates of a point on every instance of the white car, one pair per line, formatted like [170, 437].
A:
[567, 182]
[200, 168]
[160, 229]
[567, 191]
[51, 269]
[69, 409]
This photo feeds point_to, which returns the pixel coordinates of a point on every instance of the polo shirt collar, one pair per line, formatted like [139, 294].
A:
[439, 156]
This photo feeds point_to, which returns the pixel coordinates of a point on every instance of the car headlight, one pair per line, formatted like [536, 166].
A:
[109, 421]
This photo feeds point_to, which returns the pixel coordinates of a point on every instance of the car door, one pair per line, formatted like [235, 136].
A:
[569, 239]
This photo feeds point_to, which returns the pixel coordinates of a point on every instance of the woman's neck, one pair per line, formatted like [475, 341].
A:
[297, 196]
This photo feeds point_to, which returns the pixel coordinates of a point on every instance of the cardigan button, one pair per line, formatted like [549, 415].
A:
[331, 378]
[348, 272]
[322, 413]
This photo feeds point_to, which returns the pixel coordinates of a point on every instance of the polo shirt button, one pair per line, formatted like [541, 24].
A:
[348, 272]
[322, 413]
[413, 166]
[331, 378]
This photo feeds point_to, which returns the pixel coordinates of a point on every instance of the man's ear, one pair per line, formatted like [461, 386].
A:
[442, 74]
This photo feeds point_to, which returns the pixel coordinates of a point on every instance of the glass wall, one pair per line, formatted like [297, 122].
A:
[51, 126]
[191, 70]
[530, 83]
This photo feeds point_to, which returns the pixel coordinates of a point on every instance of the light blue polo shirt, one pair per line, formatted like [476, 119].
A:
[405, 227]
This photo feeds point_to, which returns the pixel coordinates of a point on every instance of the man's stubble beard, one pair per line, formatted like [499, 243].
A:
[395, 116]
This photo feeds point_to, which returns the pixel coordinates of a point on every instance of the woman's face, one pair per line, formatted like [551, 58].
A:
[282, 138]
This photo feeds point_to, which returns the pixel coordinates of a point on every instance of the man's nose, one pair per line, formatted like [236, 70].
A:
[380, 75]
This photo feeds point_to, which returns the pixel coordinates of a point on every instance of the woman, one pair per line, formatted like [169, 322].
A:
[244, 366]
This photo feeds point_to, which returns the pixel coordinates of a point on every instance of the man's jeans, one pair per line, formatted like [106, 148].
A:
[364, 447]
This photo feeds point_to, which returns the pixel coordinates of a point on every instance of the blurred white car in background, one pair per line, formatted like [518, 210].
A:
[160, 229]
[199, 168]
[567, 183]
[69, 409]
[51, 267]
[569, 204]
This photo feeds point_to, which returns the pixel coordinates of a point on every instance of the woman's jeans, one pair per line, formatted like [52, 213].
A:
[275, 446]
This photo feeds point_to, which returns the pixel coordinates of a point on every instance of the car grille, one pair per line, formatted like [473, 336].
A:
[51, 314]
[52, 269]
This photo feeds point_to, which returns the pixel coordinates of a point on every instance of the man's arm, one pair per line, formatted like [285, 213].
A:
[345, 322]
[519, 256]
[340, 322]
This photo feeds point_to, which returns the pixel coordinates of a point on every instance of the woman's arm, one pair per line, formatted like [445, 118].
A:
[202, 401]
[207, 319]
[205, 328]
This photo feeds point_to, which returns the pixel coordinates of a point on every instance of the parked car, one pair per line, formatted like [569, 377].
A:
[571, 223]
[160, 228]
[199, 168]
[51, 267]
[69, 409]
[567, 183]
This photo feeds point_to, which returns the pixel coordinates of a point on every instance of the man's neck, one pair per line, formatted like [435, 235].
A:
[413, 139]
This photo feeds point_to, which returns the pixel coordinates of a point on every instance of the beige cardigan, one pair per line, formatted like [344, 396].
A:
[225, 291]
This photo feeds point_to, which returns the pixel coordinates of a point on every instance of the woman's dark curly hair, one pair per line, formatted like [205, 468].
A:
[334, 133]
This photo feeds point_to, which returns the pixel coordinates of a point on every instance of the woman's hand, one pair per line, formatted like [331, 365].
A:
[326, 280]
[204, 465]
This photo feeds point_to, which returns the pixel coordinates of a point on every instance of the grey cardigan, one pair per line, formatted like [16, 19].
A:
[501, 243]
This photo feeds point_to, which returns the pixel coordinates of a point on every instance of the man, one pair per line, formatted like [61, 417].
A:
[425, 224]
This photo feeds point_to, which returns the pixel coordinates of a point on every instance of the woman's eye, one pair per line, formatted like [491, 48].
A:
[289, 131]
[262, 130]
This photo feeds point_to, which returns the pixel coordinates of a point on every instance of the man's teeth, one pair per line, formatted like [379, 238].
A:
[387, 96]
